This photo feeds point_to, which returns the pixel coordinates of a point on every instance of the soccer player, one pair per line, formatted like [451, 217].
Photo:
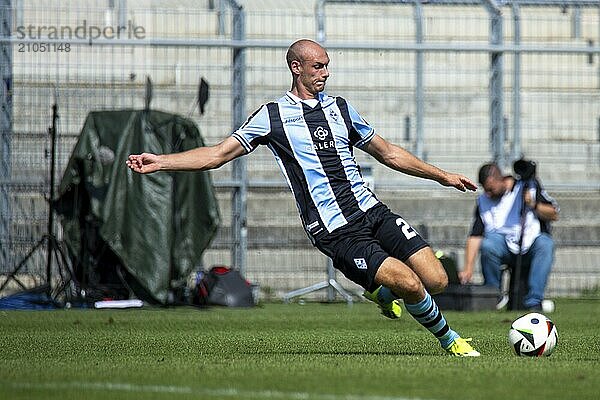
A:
[312, 136]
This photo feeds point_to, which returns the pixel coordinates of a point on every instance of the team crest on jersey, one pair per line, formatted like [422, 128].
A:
[321, 133]
[361, 263]
[333, 115]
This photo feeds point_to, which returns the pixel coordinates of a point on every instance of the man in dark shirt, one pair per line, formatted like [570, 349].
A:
[496, 231]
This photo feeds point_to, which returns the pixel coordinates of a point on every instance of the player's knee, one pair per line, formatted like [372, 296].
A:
[438, 284]
[412, 286]
[405, 286]
[436, 279]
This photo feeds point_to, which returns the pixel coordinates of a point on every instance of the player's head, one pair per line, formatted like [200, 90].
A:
[490, 177]
[308, 62]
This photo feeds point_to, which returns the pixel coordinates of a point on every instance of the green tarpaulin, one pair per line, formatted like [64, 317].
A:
[156, 226]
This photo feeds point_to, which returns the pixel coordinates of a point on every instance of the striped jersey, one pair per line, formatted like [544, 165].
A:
[312, 141]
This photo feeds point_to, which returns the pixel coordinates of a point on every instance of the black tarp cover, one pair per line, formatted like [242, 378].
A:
[158, 225]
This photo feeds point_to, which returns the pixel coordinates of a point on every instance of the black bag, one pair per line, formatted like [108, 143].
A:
[224, 287]
[463, 297]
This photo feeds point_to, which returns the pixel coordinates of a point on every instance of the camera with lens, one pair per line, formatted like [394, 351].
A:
[524, 169]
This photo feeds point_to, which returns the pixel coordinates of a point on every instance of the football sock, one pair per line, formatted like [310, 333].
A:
[426, 312]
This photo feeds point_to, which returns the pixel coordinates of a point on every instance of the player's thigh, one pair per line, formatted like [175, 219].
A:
[356, 254]
[429, 269]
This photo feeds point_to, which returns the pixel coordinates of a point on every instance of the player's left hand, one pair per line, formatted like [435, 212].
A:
[460, 182]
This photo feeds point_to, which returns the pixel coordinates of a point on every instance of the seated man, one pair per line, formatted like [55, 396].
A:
[496, 231]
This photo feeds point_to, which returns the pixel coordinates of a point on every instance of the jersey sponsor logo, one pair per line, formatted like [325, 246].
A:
[291, 120]
[361, 263]
[321, 133]
[321, 145]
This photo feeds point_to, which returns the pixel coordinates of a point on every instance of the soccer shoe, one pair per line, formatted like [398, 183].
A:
[461, 348]
[391, 310]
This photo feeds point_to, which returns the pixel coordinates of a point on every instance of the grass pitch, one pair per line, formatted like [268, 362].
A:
[278, 351]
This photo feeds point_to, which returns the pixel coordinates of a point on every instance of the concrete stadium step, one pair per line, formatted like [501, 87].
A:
[278, 271]
[442, 234]
[439, 234]
[578, 259]
[276, 206]
[441, 216]
[575, 268]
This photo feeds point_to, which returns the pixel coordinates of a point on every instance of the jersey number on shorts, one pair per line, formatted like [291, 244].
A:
[408, 231]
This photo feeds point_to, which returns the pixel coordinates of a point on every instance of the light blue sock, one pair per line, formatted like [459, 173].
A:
[426, 313]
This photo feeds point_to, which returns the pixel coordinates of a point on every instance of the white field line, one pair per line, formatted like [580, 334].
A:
[171, 389]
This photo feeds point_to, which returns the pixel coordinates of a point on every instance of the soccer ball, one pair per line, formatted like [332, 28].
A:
[533, 335]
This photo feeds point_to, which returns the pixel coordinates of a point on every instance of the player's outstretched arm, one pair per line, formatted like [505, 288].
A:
[401, 160]
[198, 159]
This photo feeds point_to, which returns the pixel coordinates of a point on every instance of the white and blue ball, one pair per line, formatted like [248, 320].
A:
[533, 335]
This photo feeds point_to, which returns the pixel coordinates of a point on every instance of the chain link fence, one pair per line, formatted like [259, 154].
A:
[430, 76]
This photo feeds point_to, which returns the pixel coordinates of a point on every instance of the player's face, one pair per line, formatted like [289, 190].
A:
[313, 70]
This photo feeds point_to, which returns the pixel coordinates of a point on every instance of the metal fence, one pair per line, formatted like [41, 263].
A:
[456, 82]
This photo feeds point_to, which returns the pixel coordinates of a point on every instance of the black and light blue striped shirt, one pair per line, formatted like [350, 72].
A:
[313, 145]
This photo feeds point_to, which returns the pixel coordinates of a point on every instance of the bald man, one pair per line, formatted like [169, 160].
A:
[312, 136]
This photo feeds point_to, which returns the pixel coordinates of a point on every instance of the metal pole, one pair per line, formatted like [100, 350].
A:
[221, 18]
[239, 171]
[5, 132]
[320, 15]
[496, 86]
[122, 13]
[516, 143]
[50, 244]
[576, 23]
[330, 277]
[419, 96]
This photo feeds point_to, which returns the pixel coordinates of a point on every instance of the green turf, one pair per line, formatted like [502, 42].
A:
[277, 351]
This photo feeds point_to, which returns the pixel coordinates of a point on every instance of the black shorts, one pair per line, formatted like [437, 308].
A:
[359, 248]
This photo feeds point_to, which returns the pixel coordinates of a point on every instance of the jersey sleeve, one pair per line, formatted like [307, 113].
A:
[255, 130]
[360, 132]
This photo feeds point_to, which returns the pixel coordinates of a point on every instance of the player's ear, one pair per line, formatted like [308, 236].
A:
[295, 67]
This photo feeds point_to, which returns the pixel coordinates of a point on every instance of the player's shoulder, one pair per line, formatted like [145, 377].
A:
[325, 98]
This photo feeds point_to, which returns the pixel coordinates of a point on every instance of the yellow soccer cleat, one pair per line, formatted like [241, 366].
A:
[461, 348]
[391, 310]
